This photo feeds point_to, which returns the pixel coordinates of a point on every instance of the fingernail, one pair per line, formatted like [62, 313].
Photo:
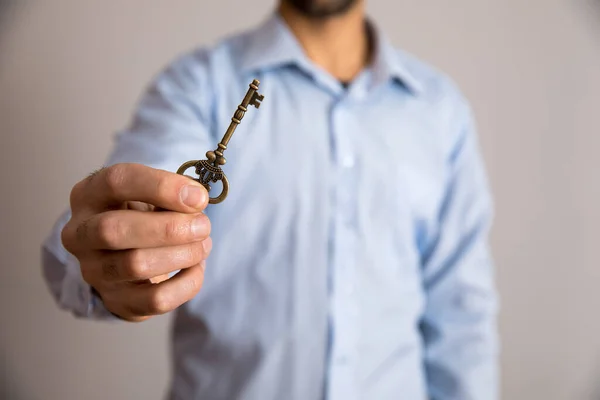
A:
[193, 196]
[199, 226]
[207, 244]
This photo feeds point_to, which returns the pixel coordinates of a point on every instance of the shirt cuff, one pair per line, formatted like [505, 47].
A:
[84, 301]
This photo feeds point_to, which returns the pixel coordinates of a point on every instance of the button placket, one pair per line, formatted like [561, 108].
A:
[344, 309]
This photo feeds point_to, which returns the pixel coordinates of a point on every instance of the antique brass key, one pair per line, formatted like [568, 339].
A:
[209, 170]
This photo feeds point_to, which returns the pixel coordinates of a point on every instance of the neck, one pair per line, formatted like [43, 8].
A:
[338, 44]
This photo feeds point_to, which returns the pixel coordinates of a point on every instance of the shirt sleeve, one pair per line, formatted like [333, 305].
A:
[170, 126]
[459, 322]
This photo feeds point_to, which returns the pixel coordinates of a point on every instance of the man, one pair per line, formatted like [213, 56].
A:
[349, 260]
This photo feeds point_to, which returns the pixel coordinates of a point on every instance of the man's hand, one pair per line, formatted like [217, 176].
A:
[131, 226]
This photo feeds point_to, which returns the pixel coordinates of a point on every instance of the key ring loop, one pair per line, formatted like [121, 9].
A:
[211, 200]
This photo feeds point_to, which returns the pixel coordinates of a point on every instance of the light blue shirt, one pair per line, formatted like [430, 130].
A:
[350, 259]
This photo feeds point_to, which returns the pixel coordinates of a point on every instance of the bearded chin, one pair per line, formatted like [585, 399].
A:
[322, 8]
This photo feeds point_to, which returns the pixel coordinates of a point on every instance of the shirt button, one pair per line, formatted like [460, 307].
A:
[360, 93]
[350, 290]
[341, 360]
[348, 161]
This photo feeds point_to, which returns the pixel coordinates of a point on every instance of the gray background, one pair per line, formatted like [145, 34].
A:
[71, 71]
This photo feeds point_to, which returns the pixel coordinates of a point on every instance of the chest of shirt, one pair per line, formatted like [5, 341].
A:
[377, 156]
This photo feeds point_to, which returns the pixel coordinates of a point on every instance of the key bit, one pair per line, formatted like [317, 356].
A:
[209, 170]
[256, 99]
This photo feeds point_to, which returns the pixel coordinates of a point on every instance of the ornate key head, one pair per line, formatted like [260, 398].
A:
[209, 170]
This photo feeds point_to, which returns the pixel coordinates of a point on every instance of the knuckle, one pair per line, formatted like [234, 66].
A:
[194, 284]
[114, 177]
[184, 255]
[110, 269]
[158, 302]
[163, 187]
[195, 252]
[82, 231]
[195, 281]
[76, 193]
[110, 230]
[174, 229]
[135, 265]
[66, 237]
[130, 308]
[89, 269]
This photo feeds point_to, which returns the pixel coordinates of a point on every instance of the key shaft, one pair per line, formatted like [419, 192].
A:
[209, 170]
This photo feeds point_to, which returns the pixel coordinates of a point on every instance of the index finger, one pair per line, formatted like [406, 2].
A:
[111, 186]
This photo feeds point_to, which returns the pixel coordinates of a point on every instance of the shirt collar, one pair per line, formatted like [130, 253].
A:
[272, 44]
[388, 63]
